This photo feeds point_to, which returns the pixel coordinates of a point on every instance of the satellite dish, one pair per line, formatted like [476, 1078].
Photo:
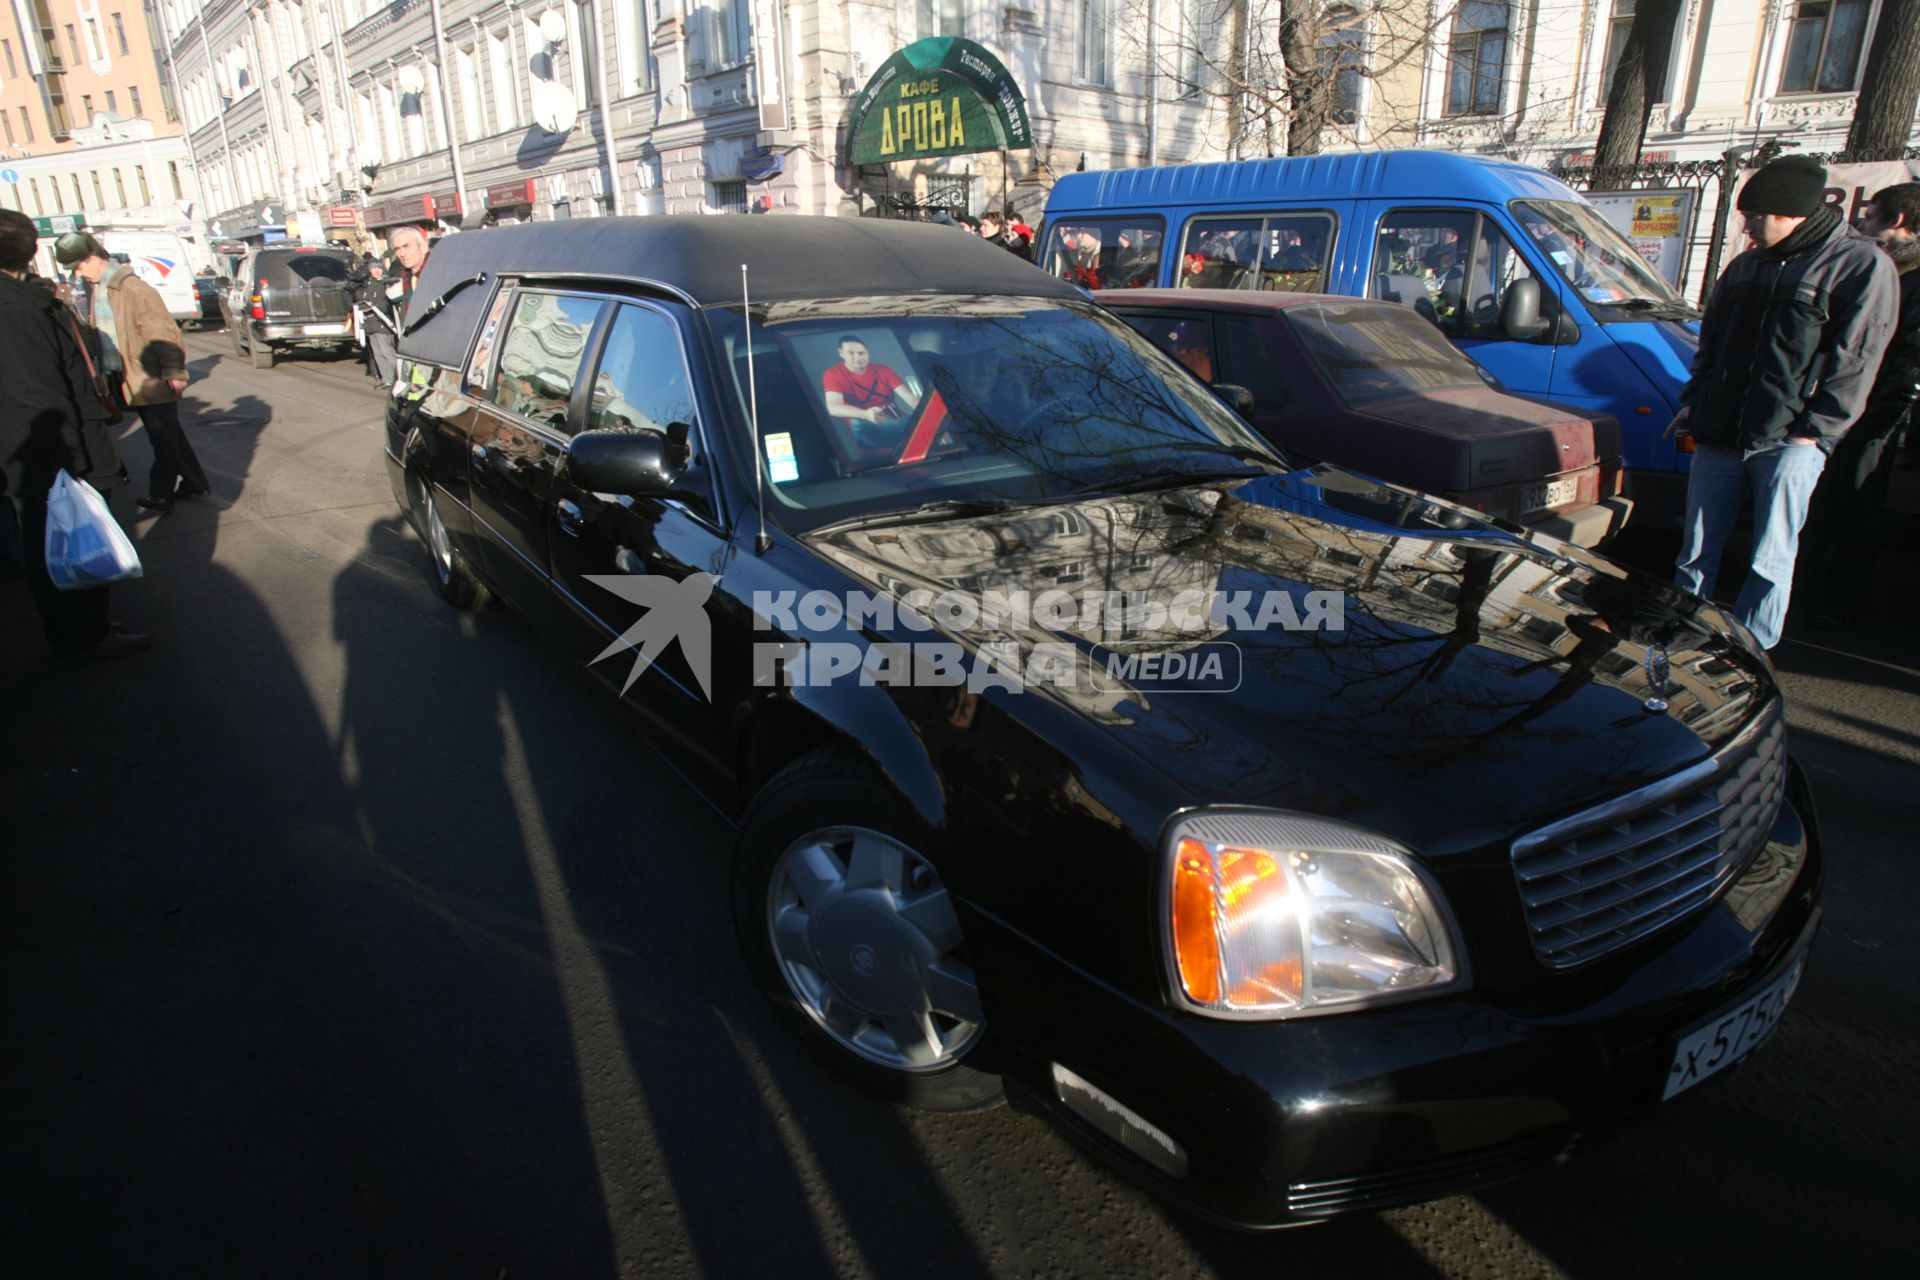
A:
[553, 106]
[553, 27]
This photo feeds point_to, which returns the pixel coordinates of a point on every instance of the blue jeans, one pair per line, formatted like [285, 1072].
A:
[1782, 480]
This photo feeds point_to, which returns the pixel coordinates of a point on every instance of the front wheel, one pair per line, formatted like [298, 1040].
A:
[854, 938]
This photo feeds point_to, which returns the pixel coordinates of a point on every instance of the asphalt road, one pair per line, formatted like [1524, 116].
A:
[344, 936]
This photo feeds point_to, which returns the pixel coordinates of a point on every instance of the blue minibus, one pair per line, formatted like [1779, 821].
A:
[1514, 267]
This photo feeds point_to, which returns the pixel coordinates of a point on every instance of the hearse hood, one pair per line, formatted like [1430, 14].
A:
[1455, 683]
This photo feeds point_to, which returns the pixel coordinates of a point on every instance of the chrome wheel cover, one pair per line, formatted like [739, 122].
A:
[439, 543]
[867, 939]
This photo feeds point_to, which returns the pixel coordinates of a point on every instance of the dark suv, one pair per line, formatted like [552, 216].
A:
[1300, 842]
[291, 297]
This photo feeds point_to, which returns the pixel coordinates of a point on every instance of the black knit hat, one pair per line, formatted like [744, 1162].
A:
[1790, 187]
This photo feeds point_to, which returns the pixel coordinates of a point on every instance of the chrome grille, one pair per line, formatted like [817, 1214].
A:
[1593, 883]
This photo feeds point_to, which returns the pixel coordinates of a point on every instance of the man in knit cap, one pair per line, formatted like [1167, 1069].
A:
[1789, 346]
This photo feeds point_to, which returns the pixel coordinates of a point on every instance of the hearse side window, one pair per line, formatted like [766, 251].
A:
[1279, 252]
[641, 384]
[1105, 253]
[480, 368]
[541, 354]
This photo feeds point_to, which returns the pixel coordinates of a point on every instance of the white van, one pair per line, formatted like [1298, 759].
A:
[160, 258]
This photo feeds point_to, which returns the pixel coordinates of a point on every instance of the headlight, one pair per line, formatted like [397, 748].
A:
[1272, 915]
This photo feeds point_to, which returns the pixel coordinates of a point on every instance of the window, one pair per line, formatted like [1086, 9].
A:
[1618, 27]
[26, 124]
[642, 382]
[1476, 58]
[1105, 253]
[1188, 339]
[727, 23]
[120, 33]
[1195, 38]
[941, 17]
[506, 86]
[9, 124]
[1343, 56]
[173, 176]
[73, 43]
[1286, 253]
[33, 185]
[113, 103]
[541, 354]
[585, 56]
[99, 192]
[1823, 46]
[730, 196]
[1369, 353]
[7, 45]
[1091, 56]
[632, 36]
[133, 98]
[86, 106]
[120, 188]
[140, 176]
[1419, 261]
[95, 50]
[79, 199]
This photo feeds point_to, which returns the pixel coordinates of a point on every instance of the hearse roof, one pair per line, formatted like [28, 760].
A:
[788, 259]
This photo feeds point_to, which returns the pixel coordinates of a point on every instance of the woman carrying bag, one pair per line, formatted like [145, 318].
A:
[143, 358]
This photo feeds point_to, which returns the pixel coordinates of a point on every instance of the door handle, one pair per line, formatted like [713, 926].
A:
[567, 516]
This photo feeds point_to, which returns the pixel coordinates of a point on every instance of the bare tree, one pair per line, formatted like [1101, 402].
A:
[1883, 121]
[1639, 78]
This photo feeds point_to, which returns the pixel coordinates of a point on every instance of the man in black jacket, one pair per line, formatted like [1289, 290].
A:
[1789, 347]
[51, 419]
[1844, 527]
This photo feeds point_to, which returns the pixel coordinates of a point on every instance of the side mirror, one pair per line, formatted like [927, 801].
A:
[1236, 398]
[634, 463]
[1520, 311]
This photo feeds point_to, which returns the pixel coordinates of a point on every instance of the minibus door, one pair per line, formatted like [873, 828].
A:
[1455, 264]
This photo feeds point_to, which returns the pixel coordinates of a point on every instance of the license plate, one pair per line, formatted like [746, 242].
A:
[1554, 493]
[326, 328]
[1730, 1037]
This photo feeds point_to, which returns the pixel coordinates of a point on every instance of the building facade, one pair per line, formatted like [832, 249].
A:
[337, 119]
[90, 134]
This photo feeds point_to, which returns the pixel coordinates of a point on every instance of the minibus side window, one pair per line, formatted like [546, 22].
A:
[1420, 261]
[1280, 252]
[1105, 253]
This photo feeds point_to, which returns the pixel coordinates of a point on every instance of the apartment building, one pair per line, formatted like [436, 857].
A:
[335, 119]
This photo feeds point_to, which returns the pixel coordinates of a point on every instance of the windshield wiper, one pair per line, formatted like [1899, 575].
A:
[946, 508]
[1651, 304]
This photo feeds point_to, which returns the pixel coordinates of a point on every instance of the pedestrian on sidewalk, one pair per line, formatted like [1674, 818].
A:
[143, 358]
[51, 419]
[1792, 337]
[1845, 526]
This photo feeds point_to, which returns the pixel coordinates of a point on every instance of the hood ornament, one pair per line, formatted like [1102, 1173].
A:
[1658, 670]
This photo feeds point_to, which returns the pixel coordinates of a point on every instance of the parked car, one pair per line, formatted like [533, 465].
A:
[1299, 842]
[207, 290]
[1514, 266]
[1372, 386]
[160, 259]
[290, 296]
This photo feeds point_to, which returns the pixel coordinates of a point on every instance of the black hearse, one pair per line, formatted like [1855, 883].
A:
[1300, 843]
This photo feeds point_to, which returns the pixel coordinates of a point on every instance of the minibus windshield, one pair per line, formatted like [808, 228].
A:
[1603, 268]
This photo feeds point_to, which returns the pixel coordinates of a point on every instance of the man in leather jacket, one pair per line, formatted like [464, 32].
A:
[1789, 347]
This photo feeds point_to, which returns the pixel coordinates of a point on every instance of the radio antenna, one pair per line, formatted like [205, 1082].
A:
[762, 543]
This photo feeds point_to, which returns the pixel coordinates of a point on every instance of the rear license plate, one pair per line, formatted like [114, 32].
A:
[326, 328]
[1731, 1036]
[1554, 493]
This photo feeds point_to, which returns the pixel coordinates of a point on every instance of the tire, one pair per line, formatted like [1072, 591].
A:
[852, 937]
[451, 577]
[262, 356]
[239, 347]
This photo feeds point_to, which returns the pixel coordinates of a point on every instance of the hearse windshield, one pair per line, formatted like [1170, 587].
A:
[1598, 262]
[915, 406]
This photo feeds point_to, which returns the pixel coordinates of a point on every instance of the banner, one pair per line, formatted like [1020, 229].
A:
[1849, 188]
[942, 96]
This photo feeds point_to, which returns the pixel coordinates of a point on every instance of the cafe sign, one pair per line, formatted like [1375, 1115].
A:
[942, 96]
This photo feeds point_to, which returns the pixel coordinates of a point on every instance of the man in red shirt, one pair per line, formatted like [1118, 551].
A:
[863, 393]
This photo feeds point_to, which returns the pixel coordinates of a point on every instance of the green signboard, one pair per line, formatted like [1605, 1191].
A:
[942, 96]
[60, 223]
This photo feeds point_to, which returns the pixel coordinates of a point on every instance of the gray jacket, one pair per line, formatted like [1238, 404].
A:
[1790, 346]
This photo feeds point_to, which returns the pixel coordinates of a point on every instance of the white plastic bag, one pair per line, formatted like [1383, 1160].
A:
[86, 547]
